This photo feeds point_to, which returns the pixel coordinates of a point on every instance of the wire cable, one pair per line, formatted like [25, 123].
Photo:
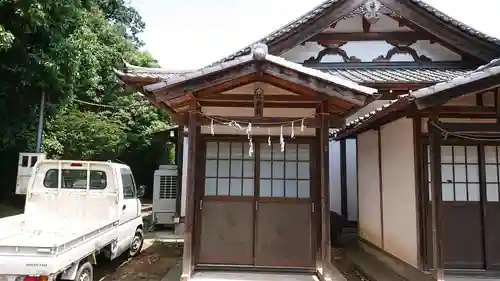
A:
[108, 105]
[461, 135]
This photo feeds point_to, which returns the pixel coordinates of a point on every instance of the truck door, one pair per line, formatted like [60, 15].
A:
[129, 208]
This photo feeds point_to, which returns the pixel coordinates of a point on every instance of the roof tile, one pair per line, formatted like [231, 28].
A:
[359, 75]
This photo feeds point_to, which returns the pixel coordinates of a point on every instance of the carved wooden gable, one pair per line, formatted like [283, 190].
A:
[373, 33]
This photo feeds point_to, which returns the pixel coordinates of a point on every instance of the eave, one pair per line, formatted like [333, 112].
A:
[177, 93]
[482, 79]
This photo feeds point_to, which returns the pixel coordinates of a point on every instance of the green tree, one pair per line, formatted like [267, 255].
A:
[68, 49]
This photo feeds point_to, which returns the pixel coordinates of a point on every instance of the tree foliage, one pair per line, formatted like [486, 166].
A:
[68, 49]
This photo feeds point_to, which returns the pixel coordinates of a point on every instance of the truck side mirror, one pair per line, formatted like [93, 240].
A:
[141, 190]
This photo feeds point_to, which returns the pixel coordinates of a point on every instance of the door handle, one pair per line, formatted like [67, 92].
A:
[124, 207]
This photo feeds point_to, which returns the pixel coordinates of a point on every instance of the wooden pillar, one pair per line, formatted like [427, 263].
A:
[324, 192]
[435, 167]
[179, 161]
[187, 258]
[343, 180]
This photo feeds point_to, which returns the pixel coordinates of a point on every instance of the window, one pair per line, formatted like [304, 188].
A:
[492, 156]
[229, 169]
[284, 174]
[75, 179]
[129, 191]
[459, 173]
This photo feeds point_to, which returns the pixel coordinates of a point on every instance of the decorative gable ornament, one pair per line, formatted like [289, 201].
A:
[260, 51]
[372, 11]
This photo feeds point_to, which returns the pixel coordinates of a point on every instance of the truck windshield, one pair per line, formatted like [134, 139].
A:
[75, 179]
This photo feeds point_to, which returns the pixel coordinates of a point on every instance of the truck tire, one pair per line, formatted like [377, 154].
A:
[137, 242]
[85, 272]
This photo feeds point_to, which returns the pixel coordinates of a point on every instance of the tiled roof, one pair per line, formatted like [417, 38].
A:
[396, 75]
[260, 52]
[366, 75]
[318, 10]
[133, 71]
[487, 70]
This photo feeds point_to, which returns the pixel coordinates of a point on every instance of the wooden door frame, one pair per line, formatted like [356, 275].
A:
[199, 192]
[482, 192]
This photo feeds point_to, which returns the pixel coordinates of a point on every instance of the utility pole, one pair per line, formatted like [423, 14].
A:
[39, 136]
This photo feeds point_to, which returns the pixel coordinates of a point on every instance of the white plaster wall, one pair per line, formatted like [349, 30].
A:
[335, 190]
[352, 180]
[398, 189]
[335, 179]
[369, 224]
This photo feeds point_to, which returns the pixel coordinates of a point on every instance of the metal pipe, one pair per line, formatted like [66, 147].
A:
[39, 137]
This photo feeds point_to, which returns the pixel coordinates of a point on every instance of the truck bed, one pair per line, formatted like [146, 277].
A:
[51, 241]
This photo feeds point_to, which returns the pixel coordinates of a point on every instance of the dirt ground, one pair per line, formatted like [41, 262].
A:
[152, 264]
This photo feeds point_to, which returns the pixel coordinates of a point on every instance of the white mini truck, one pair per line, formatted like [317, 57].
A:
[74, 211]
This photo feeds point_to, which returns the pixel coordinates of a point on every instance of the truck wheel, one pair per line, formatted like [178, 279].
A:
[137, 242]
[85, 272]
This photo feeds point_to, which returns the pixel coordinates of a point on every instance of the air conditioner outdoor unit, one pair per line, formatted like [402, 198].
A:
[165, 194]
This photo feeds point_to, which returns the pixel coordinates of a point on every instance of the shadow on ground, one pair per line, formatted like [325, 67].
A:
[152, 264]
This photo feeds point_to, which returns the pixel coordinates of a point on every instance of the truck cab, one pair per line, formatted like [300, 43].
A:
[74, 211]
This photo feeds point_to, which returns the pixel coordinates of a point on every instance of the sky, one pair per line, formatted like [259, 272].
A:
[190, 34]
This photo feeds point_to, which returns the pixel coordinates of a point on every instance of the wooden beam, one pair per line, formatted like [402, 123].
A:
[371, 36]
[474, 87]
[250, 97]
[471, 127]
[466, 56]
[278, 121]
[325, 241]
[266, 104]
[454, 111]
[258, 107]
[497, 104]
[436, 214]
[446, 32]
[297, 89]
[188, 251]
[380, 186]
[205, 82]
[333, 14]
[173, 115]
[179, 156]
[317, 86]
[420, 189]
[343, 180]
[227, 86]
